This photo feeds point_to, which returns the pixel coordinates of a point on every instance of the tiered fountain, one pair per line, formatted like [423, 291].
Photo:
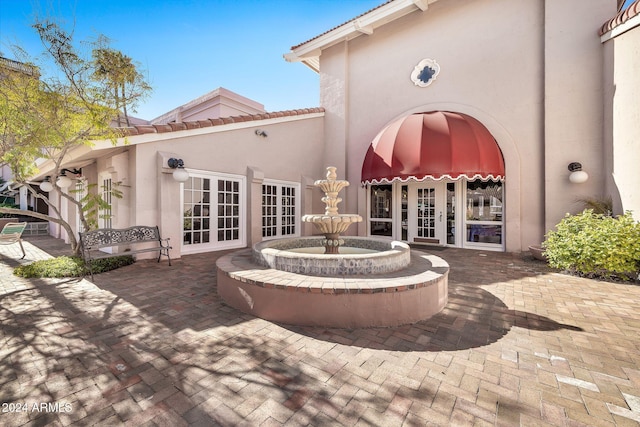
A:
[331, 224]
[356, 282]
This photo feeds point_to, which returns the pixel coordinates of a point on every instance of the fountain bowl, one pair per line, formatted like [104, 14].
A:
[357, 256]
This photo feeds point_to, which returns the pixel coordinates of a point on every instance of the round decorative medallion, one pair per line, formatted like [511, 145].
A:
[425, 72]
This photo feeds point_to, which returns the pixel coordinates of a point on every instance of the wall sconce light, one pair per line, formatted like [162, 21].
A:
[577, 176]
[261, 133]
[63, 180]
[179, 174]
[72, 171]
[46, 185]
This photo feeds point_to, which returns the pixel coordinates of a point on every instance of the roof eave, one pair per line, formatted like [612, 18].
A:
[309, 52]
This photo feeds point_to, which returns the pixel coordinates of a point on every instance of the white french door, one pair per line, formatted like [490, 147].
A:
[426, 213]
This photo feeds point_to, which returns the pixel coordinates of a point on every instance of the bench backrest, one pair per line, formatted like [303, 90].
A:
[106, 237]
[14, 228]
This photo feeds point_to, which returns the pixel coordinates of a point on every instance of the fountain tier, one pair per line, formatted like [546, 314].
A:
[331, 224]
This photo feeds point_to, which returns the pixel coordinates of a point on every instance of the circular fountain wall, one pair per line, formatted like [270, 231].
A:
[256, 281]
[357, 256]
[356, 282]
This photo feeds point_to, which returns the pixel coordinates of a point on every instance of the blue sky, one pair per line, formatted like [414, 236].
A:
[190, 47]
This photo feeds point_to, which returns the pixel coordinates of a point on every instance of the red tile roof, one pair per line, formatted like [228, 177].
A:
[338, 26]
[621, 17]
[172, 127]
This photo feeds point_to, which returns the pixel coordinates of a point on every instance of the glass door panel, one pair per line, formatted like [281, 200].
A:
[425, 213]
[381, 213]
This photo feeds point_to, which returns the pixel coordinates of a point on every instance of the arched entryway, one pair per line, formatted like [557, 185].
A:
[436, 177]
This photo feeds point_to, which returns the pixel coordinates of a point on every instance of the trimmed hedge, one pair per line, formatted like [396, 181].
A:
[596, 245]
[69, 266]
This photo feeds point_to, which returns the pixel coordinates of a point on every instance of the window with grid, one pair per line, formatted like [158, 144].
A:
[279, 209]
[107, 196]
[80, 191]
[228, 210]
[212, 212]
[197, 209]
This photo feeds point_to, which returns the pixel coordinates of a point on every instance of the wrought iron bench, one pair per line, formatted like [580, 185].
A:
[12, 233]
[92, 241]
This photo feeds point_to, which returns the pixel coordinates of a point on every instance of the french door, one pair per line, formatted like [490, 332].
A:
[426, 213]
[213, 214]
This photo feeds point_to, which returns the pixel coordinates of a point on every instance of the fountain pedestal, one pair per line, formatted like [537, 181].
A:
[331, 224]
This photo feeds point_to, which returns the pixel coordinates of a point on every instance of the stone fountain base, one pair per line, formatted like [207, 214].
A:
[405, 296]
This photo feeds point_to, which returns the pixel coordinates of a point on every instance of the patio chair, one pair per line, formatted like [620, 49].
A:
[12, 233]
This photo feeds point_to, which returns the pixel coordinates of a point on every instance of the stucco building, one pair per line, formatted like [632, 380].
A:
[455, 122]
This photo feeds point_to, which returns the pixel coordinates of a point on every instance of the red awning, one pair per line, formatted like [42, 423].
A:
[436, 145]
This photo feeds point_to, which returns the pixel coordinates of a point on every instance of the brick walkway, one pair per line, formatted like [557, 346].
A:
[153, 345]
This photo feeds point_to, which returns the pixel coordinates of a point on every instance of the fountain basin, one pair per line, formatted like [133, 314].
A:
[383, 256]
[406, 296]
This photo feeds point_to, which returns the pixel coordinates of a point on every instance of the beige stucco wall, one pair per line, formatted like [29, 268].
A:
[573, 108]
[622, 121]
[492, 56]
[292, 152]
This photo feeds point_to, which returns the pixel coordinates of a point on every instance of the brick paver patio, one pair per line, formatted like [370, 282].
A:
[151, 345]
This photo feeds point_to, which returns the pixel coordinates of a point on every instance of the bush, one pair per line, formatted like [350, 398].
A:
[69, 266]
[596, 245]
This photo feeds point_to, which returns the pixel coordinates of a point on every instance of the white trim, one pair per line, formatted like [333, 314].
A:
[629, 24]
[413, 178]
[309, 52]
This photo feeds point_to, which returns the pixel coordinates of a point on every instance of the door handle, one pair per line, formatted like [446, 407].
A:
[440, 216]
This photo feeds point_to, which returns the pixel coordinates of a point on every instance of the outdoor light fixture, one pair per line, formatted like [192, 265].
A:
[179, 174]
[64, 181]
[46, 185]
[261, 133]
[577, 176]
[73, 171]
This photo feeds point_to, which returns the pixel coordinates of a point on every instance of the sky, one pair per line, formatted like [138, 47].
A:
[188, 48]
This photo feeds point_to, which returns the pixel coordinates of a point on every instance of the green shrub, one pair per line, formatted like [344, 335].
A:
[596, 245]
[69, 266]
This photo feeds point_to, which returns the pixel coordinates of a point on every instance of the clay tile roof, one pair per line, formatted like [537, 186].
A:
[338, 26]
[205, 123]
[163, 128]
[621, 17]
[142, 129]
[177, 126]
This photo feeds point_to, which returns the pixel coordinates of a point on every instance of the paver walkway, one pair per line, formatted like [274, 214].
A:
[153, 345]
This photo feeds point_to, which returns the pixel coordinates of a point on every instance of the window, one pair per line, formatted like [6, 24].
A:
[484, 212]
[279, 209]
[107, 195]
[381, 214]
[212, 212]
[228, 210]
[80, 191]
